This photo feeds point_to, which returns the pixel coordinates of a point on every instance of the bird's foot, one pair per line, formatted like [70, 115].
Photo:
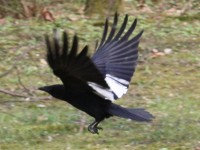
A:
[94, 129]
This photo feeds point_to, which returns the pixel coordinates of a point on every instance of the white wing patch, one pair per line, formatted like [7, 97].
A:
[118, 87]
[101, 91]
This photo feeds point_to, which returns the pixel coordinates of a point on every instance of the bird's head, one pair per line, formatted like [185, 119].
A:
[57, 91]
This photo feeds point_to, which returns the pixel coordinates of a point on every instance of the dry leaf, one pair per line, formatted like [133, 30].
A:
[47, 15]
[156, 53]
[41, 118]
[167, 50]
[2, 20]
[43, 62]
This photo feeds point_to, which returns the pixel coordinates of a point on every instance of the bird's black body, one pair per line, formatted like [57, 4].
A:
[88, 102]
[91, 84]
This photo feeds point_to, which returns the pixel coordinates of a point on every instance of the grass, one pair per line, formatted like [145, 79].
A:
[168, 86]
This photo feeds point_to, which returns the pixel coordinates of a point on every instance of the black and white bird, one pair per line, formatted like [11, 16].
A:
[93, 84]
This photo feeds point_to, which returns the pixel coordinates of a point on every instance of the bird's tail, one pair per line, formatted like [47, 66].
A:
[137, 114]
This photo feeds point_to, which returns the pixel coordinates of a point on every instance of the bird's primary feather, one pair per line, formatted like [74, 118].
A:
[74, 69]
[116, 57]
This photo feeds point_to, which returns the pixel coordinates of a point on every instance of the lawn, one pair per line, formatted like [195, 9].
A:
[166, 83]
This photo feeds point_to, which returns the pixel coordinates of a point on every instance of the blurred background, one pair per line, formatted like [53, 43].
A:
[166, 81]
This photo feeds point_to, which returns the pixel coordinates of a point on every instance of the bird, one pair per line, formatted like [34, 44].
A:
[92, 84]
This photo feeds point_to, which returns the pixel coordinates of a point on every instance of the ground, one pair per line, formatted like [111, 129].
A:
[166, 83]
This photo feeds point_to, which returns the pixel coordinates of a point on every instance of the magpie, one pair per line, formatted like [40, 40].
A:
[92, 84]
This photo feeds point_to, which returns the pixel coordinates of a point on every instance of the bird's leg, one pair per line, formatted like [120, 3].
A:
[93, 127]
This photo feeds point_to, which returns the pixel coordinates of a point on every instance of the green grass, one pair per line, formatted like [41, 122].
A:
[168, 86]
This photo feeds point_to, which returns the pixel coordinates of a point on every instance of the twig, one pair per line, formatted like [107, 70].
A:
[18, 57]
[31, 98]
[7, 72]
[12, 93]
[20, 83]
[30, 48]
[36, 98]
[82, 122]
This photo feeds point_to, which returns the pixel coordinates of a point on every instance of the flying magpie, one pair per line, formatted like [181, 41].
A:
[93, 84]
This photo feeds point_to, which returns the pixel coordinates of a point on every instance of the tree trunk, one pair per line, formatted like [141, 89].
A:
[103, 8]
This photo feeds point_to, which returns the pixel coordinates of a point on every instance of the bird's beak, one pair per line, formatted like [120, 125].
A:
[44, 88]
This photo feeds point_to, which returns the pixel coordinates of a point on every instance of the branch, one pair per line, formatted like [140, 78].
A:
[8, 71]
[20, 83]
[12, 93]
[30, 98]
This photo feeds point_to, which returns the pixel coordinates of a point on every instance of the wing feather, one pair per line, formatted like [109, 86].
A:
[116, 56]
[73, 68]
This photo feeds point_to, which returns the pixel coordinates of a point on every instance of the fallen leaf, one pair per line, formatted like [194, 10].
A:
[167, 50]
[2, 20]
[156, 53]
[43, 62]
[47, 15]
[41, 118]
[41, 105]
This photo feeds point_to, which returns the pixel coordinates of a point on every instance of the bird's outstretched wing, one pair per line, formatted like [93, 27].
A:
[73, 68]
[116, 56]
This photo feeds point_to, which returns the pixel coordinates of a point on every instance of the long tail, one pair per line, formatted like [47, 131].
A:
[137, 114]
